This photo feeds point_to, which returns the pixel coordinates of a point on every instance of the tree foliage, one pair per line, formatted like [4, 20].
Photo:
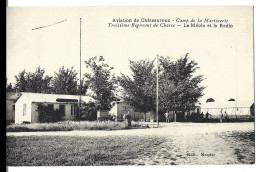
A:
[9, 87]
[100, 80]
[89, 111]
[178, 88]
[33, 82]
[21, 81]
[66, 82]
[139, 88]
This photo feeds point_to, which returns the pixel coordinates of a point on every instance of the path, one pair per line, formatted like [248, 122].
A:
[185, 143]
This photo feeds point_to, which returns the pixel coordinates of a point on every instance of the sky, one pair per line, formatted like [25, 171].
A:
[224, 55]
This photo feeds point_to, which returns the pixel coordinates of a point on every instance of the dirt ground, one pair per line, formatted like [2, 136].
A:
[185, 143]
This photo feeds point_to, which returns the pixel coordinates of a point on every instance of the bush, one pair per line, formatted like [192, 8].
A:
[89, 112]
[39, 127]
[47, 114]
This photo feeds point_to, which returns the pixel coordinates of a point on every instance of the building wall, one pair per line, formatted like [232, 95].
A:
[9, 111]
[35, 114]
[123, 108]
[197, 109]
[171, 116]
[56, 106]
[68, 115]
[19, 109]
[113, 110]
[151, 116]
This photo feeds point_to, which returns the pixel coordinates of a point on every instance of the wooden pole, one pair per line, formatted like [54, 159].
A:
[80, 73]
[157, 90]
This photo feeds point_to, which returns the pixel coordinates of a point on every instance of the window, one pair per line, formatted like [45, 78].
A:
[24, 110]
[72, 110]
[123, 108]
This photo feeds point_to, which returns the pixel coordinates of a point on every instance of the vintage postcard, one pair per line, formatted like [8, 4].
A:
[130, 86]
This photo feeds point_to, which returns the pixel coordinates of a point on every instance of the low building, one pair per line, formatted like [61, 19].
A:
[120, 107]
[11, 97]
[26, 106]
[239, 108]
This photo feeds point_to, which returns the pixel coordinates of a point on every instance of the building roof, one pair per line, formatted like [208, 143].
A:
[228, 104]
[41, 97]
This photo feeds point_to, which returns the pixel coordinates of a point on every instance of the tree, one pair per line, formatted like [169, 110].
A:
[179, 89]
[89, 111]
[9, 87]
[84, 87]
[100, 81]
[33, 82]
[66, 82]
[21, 82]
[37, 83]
[139, 89]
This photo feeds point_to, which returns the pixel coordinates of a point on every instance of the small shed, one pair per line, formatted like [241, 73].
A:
[27, 104]
[120, 108]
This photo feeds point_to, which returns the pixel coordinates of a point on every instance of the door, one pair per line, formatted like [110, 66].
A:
[62, 110]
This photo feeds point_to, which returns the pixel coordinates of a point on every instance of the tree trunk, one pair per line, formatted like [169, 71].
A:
[144, 117]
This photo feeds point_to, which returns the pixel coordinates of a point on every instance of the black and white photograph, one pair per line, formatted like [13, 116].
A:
[130, 86]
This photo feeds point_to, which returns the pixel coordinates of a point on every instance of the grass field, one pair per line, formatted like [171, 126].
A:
[78, 151]
[172, 144]
[72, 125]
